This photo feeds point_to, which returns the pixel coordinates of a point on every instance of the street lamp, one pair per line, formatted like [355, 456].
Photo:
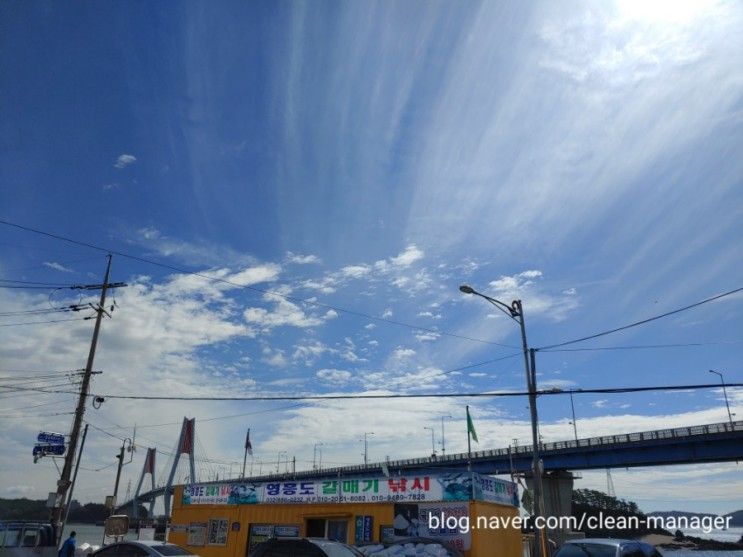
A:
[128, 446]
[443, 439]
[314, 455]
[724, 391]
[433, 442]
[572, 407]
[516, 312]
[366, 447]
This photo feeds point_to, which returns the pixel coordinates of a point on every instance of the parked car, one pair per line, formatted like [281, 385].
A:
[142, 548]
[607, 547]
[304, 547]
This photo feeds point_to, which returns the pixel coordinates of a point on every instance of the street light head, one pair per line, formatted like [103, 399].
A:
[465, 289]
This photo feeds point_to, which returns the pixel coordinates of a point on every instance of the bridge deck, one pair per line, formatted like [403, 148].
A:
[704, 443]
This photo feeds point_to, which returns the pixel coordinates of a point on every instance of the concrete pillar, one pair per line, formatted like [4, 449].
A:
[557, 486]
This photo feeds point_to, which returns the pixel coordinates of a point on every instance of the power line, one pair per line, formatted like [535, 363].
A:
[642, 322]
[287, 297]
[642, 346]
[19, 416]
[33, 283]
[41, 370]
[499, 394]
[44, 322]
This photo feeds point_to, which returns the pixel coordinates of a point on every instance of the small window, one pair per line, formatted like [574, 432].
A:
[31, 537]
[12, 536]
[217, 531]
[632, 550]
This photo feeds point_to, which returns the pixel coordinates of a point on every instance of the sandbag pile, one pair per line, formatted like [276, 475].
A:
[405, 550]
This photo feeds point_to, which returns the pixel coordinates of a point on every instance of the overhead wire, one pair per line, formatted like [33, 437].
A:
[287, 297]
[642, 346]
[495, 394]
[44, 322]
[642, 321]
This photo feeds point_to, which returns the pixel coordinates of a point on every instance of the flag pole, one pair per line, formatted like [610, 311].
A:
[245, 458]
[469, 444]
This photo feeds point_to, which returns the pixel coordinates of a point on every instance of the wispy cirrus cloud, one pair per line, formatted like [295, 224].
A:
[58, 267]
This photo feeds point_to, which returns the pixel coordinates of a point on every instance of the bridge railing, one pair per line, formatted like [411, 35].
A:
[673, 433]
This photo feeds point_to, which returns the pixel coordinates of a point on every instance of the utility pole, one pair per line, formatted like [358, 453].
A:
[64, 481]
[74, 477]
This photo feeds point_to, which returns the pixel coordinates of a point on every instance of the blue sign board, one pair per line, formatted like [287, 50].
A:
[50, 438]
[41, 450]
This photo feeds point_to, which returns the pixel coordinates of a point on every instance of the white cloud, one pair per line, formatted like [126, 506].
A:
[311, 351]
[274, 357]
[284, 313]
[387, 313]
[199, 252]
[255, 275]
[125, 160]
[58, 267]
[427, 336]
[356, 271]
[536, 301]
[326, 285]
[298, 259]
[407, 257]
[336, 376]
[599, 403]
[403, 353]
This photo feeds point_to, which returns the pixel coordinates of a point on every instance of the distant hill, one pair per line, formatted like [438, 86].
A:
[736, 519]
[29, 509]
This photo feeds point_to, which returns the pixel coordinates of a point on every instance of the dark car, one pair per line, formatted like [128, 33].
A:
[142, 548]
[607, 547]
[304, 547]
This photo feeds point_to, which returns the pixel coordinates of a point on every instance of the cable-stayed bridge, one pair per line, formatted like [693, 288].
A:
[720, 442]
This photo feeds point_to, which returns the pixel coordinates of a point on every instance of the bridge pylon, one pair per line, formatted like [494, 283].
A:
[185, 446]
[148, 468]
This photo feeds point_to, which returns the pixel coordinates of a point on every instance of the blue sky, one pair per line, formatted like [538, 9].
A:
[372, 157]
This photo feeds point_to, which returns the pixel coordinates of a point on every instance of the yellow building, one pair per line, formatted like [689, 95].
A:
[230, 519]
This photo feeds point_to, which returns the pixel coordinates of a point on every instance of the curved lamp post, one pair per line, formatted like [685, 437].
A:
[724, 391]
[516, 312]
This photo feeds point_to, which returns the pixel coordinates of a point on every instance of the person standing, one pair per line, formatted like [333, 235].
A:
[68, 547]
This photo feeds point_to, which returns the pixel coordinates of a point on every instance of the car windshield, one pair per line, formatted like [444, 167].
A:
[587, 550]
[170, 549]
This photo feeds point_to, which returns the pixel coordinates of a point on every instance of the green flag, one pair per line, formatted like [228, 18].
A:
[471, 426]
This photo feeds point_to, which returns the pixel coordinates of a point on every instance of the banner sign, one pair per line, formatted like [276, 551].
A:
[50, 438]
[463, 486]
[414, 520]
[487, 488]
[363, 530]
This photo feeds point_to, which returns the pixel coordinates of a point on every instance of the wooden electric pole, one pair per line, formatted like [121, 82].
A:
[63, 484]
